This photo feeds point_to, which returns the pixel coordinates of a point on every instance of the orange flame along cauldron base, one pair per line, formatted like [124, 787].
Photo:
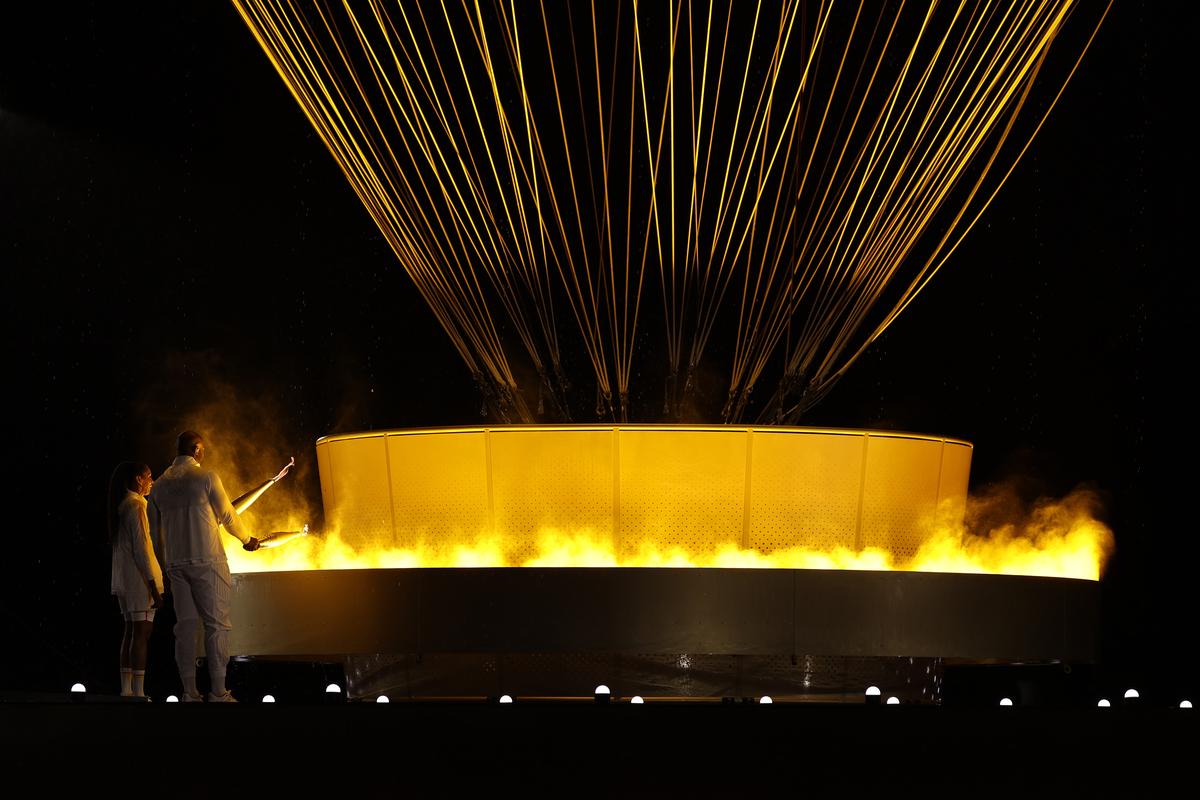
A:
[673, 496]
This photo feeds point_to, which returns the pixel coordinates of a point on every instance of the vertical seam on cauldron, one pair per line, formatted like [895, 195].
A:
[746, 494]
[487, 449]
[862, 491]
[387, 463]
[616, 479]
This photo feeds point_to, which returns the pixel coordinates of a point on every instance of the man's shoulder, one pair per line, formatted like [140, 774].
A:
[185, 468]
[183, 474]
[205, 476]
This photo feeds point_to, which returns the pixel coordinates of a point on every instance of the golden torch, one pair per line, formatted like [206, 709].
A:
[246, 500]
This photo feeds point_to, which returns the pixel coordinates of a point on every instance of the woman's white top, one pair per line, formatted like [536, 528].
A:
[133, 561]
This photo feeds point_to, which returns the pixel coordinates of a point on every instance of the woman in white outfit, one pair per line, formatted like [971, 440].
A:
[137, 580]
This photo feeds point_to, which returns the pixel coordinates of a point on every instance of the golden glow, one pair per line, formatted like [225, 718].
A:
[666, 496]
[1056, 539]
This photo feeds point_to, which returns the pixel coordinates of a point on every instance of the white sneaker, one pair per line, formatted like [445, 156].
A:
[221, 698]
[193, 698]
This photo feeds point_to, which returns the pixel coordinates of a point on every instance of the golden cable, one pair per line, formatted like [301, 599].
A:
[846, 186]
[940, 258]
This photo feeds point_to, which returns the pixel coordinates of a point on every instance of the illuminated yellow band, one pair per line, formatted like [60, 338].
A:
[692, 488]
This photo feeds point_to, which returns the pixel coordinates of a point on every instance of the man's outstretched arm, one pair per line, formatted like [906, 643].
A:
[226, 514]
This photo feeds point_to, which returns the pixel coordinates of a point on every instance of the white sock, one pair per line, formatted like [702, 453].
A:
[139, 682]
[126, 680]
[218, 685]
[189, 684]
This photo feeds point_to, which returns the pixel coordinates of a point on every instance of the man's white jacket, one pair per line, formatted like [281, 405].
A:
[187, 508]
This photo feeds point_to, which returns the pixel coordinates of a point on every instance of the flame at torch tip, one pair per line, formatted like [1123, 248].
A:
[291, 463]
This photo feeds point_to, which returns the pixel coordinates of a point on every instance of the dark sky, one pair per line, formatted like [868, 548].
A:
[171, 231]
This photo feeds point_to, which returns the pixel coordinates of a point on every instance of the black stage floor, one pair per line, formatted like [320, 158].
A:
[584, 748]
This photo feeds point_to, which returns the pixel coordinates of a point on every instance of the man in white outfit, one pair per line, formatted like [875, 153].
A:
[186, 509]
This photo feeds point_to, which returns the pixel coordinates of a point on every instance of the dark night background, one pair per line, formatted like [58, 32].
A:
[172, 230]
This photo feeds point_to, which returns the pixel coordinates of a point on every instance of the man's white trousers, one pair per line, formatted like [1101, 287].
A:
[202, 595]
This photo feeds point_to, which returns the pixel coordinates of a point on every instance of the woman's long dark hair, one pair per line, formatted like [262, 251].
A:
[122, 481]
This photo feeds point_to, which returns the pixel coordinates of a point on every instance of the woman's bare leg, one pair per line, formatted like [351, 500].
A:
[126, 643]
[126, 669]
[139, 644]
[138, 649]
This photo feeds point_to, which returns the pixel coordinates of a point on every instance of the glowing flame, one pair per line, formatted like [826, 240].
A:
[996, 533]
[1055, 539]
[1059, 538]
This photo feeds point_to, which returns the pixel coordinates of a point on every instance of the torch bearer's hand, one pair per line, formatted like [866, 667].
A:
[155, 597]
[251, 545]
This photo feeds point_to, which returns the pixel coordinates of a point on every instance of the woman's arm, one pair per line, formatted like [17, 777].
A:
[154, 518]
[143, 551]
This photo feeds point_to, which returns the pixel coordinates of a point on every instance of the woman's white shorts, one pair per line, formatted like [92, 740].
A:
[135, 608]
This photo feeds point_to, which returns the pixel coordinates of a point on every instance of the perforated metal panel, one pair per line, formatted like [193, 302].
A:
[547, 482]
[899, 490]
[325, 474]
[686, 488]
[804, 490]
[956, 470]
[358, 472]
[681, 488]
[439, 487]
